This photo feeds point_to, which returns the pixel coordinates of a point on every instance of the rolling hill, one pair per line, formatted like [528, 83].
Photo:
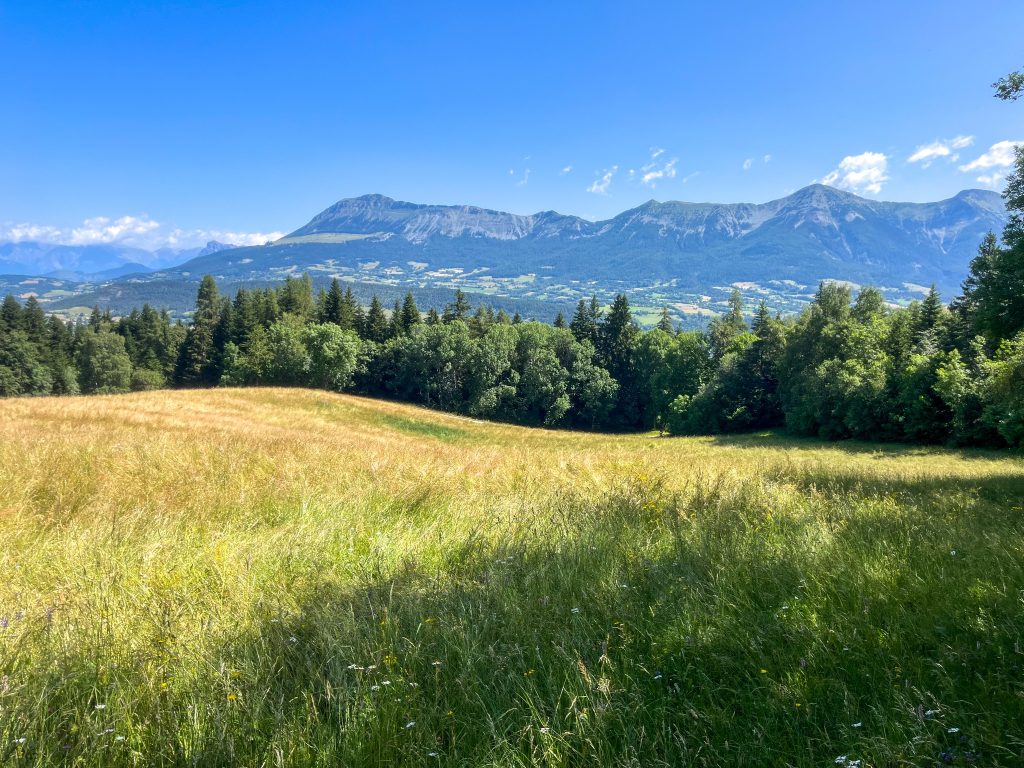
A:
[229, 576]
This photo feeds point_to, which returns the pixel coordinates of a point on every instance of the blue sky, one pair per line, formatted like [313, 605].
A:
[171, 122]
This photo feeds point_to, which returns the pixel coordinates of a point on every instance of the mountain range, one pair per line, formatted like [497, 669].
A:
[687, 255]
[94, 261]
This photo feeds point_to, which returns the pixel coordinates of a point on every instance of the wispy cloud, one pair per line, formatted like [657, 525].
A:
[600, 185]
[999, 155]
[767, 158]
[132, 231]
[525, 180]
[567, 169]
[863, 173]
[655, 169]
[926, 154]
[668, 171]
[747, 163]
[992, 180]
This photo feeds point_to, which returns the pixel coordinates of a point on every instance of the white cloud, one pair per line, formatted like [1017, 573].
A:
[101, 229]
[863, 173]
[654, 170]
[667, 171]
[600, 186]
[747, 163]
[927, 153]
[132, 231]
[567, 169]
[767, 158]
[16, 233]
[999, 155]
[993, 180]
[525, 180]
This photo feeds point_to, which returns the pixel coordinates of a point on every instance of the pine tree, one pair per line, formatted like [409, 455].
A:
[376, 322]
[410, 312]
[432, 317]
[478, 323]
[10, 314]
[457, 310]
[560, 320]
[617, 348]
[349, 312]
[761, 319]
[33, 321]
[332, 303]
[246, 316]
[931, 310]
[665, 321]
[197, 362]
[396, 327]
[723, 329]
[296, 296]
[584, 321]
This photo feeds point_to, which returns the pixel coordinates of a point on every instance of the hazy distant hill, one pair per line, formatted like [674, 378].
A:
[92, 262]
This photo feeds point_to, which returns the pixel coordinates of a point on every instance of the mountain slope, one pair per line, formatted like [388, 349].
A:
[816, 233]
[687, 255]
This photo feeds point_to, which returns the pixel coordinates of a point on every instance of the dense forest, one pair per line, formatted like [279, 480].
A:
[845, 367]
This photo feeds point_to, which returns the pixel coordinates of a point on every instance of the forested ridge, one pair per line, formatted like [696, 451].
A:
[847, 366]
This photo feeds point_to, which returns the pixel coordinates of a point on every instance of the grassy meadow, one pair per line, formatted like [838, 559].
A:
[273, 577]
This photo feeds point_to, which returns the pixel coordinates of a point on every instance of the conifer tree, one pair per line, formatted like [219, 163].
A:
[665, 321]
[410, 312]
[10, 314]
[457, 310]
[376, 322]
[197, 361]
[396, 327]
[333, 302]
[931, 312]
[350, 314]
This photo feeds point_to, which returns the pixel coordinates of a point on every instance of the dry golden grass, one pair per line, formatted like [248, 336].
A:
[205, 567]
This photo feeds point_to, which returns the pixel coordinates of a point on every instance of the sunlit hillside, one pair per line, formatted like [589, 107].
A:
[291, 577]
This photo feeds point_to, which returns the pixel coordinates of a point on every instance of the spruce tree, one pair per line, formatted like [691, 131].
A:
[665, 321]
[333, 304]
[376, 323]
[396, 327]
[197, 362]
[931, 311]
[457, 310]
[10, 314]
[410, 312]
[350, 314]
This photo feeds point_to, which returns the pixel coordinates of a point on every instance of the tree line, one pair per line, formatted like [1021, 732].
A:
[846, 367]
